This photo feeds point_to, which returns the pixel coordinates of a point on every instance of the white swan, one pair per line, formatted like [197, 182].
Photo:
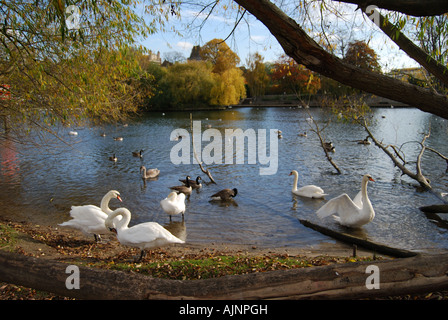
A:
[89, 218]
[351, 213]
[309, 191]
[174, 204]
[143, 236]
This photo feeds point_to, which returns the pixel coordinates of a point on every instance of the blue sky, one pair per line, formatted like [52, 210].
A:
[252, 36]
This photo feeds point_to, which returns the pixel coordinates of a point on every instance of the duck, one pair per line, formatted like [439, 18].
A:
[113, 158]
[225, 194]
[302, 134]
[185, 189]
[329, 147]
[89, 219]
[73, 133]
[150, 173]
[174, 204]
[309, 191]
[118, 138]
[350, 213]
[138, 154]
[195, 184]
[144, 236]
[365, 141]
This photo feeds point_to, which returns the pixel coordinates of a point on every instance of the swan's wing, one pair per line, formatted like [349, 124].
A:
[145, 233]
[310, 191]
[87, 212]
[341, 205]
[152, 173]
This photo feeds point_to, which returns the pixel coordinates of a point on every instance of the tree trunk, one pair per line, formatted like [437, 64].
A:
[418, 274]
[298, 45]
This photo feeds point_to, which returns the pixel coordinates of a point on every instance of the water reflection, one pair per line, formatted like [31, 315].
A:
[265, 212]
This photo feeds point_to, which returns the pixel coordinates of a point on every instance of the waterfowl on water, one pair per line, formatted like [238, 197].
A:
[195, 184]
[149, 173]
[350, 213]
[186, 189]
[225, 194]
[309, 191]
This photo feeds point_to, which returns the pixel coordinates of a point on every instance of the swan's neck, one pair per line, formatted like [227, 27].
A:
[123, 223]
[105, 203]
[365, 197]
[296, 179]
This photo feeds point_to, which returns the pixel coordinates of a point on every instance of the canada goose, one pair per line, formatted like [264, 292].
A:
[150, 173]
[365, 141]
[194, 184]
[185, 189]
[137, 153]
[118, 138]
[225, 194]
[328, 146]
[113, 158]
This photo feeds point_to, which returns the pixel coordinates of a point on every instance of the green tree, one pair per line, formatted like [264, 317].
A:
[186, 85]
[256, 75]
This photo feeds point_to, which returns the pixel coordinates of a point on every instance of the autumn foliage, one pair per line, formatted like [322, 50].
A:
[290, 77]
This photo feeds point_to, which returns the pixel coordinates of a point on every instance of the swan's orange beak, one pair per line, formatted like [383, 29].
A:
[371, 179]
[119, 198]
[290, 174]
[113, 230]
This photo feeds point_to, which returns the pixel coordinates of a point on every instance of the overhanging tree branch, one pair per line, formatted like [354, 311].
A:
[302, 48]
[418, 8]
[412, 50]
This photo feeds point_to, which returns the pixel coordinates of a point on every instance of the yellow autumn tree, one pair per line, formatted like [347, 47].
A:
[229, 80]
[229, 87]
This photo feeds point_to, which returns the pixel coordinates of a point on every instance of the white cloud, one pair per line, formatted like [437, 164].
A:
[184, 45]
[259, 38]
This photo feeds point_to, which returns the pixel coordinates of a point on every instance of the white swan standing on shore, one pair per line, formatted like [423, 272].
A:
[174, 204]
[309, 191]
[89, 218]
[351, 213]
[145, 235]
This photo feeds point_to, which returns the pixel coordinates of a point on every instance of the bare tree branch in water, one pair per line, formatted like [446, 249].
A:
[206, 171]
[326, 146]
[418, 175]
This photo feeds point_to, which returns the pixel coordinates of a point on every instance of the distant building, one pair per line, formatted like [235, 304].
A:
[405, 74]
[154, 57]
[195, 53]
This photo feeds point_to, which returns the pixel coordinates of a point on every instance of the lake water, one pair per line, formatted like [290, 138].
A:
[41, 185]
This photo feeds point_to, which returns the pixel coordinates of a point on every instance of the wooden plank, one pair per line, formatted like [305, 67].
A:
[376, 247]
